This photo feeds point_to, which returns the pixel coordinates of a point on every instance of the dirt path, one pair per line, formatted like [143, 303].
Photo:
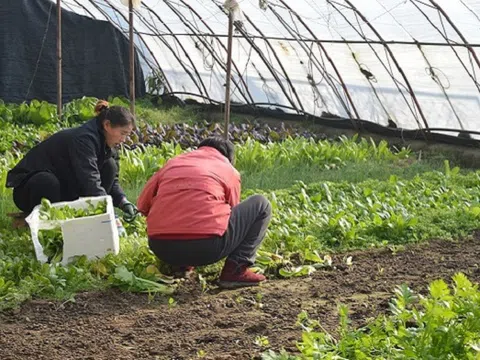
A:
[224, 325]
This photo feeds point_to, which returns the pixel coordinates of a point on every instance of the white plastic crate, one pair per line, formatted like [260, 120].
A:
[92, 236]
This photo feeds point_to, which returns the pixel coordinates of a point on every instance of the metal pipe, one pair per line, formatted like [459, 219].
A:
[211, 51]
[266, 62]
[325, 41]
[213, 35]
[132, 58]
[59, 58]
[228, 74]
[167, 83]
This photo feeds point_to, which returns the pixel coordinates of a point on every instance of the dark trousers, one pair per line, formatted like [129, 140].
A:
[246, 229]
[46, 185]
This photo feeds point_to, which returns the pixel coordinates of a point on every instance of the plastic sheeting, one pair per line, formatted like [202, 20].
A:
[404, 60]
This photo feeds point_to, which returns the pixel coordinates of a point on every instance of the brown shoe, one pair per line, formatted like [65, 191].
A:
[237, 275]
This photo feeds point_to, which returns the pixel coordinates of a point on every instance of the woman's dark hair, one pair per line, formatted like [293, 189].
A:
[225, 147]
[117, 115]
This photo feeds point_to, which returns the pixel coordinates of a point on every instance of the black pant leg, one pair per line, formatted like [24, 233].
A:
[38, 186]
[247, 227]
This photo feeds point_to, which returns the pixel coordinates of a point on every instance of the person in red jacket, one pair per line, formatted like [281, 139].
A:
[195, 217]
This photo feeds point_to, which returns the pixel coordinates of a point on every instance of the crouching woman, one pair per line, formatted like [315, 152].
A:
[195, 217]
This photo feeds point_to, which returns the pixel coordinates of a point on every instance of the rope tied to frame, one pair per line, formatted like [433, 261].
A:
[433, 73]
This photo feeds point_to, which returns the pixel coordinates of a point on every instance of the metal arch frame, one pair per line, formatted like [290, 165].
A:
[167, 83]
[332, 63]
[457, 30]
[382, 42]
[315, 62]
[470, 47]
[265, 60]
[245, 84]
[432, 70]
[211, 51]
[169, 47]
[397, 65]
[278, 60]
[452, 46]
[176, 56]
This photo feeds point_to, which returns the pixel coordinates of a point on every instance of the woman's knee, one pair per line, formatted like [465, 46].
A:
[45, 184]
[38, 186]
[44, 180]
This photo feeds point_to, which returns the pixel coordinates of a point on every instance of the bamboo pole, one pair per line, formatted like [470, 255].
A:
[59, 58]
[132, 59]
[229, 73]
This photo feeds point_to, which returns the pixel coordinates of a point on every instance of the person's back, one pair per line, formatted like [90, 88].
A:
[194, 194]
[195, 218]
[52, 155]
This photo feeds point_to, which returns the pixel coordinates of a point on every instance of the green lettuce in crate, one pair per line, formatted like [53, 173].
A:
[52, 240]
[52, 244]
[48, 212]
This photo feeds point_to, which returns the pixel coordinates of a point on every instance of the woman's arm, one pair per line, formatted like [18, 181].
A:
[117, 193]
[83, 158]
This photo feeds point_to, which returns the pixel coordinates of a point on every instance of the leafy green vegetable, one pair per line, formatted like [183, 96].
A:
[126, 279]
[445, 324]
[49, 212]
[52, 244]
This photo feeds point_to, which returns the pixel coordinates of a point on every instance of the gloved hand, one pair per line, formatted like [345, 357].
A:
[130, 211]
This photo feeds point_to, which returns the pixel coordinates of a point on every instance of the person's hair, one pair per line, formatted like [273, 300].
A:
[225, 147]
[117, 115]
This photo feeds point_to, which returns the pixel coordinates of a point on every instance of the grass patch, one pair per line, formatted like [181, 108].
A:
[153, 116]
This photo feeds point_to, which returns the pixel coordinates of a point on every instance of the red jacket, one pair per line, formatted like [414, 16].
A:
[191, 196]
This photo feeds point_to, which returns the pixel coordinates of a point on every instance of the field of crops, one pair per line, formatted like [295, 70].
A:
[371, 254]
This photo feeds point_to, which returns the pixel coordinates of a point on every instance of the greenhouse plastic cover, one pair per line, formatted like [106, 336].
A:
[414, 62]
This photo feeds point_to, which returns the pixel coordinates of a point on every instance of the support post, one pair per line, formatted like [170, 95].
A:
[229, 73]
[59, 59]
[132, 59]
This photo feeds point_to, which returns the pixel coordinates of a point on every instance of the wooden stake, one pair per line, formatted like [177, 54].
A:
[229, 74]
[59, 58]
[132, 60]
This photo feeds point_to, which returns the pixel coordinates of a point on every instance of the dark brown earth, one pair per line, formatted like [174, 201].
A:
[224, 325]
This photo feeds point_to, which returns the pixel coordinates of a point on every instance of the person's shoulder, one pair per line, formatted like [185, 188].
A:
[86, 131]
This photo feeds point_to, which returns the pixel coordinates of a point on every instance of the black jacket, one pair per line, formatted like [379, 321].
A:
[75, 156]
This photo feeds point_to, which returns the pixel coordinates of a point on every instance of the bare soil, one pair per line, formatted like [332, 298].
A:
[224, 324]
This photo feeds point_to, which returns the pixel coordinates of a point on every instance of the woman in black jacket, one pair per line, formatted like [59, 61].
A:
[76, 162]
